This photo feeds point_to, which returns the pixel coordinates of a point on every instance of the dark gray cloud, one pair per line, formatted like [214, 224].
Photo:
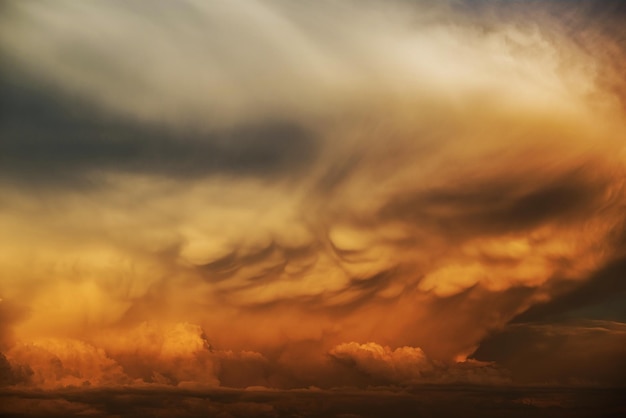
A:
[602, 296]
[48, 137]
[577, 352]
[470, 207]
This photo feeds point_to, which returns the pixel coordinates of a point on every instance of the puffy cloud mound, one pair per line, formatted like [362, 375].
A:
[163, 353]
[65, 362]
[177, 354]
[409, 365]
[402, 364]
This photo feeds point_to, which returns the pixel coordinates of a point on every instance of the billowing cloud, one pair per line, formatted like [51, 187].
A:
[409, 365]
[166, 355]
[58, 363]
[196, 195]
[145, 355]
[401, 364]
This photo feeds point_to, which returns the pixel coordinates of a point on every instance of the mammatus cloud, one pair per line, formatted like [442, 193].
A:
[198, 195]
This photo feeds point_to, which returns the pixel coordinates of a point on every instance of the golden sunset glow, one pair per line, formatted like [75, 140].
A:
[299, 199]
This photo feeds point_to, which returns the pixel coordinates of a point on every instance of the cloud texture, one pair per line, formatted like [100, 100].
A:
[285, 194]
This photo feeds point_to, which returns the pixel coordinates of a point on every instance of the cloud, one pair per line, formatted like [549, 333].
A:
[11, 313]
[401, 364]
[147, 354]
[595, 298]
[163, 354]
[409, 365]
[289, 177]
[55, 363]
[13, 374]
[499, 205]
[571, 353]
[46, 132]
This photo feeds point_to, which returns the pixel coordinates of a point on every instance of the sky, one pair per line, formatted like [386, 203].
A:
[257, 206]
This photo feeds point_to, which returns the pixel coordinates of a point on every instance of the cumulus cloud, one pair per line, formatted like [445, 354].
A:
[169, 355]
[65, 362]
[402, 364]
[149, 354]
[409, 365]
[13, 374]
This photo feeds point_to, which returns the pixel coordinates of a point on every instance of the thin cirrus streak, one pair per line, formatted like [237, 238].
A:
[285, 194]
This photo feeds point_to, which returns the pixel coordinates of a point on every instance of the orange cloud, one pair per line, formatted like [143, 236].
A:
[409, 365]
[293, 178]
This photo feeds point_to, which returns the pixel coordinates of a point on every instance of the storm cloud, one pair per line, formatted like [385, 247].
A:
[309, 194]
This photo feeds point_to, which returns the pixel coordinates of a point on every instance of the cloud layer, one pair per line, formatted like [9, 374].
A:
[289, 194]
